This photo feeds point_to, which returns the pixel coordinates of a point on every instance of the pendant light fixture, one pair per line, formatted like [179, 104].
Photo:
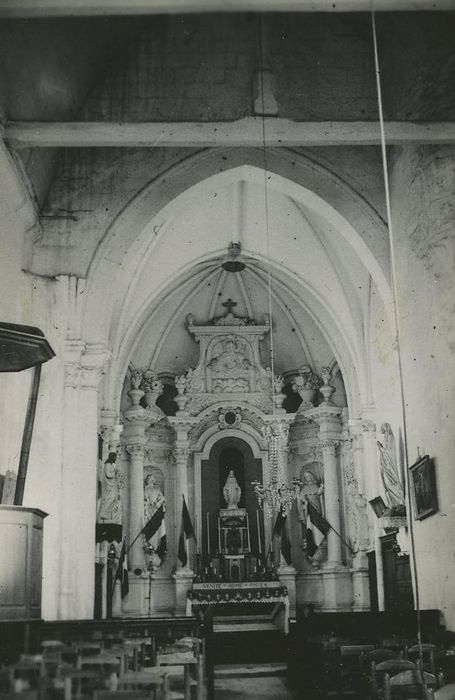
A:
[233, 262]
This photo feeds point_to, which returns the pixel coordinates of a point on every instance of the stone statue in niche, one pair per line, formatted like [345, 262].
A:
[232, 491]
[311, 493]
[110, 504]
[153, 496]
[389, 468]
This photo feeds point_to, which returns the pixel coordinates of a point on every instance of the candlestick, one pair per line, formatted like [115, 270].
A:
[259, 533]
[208, 533]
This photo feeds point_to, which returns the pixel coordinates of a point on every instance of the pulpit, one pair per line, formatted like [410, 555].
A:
[21, 543]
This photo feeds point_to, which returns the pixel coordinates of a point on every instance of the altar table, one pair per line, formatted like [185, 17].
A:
[232, 593]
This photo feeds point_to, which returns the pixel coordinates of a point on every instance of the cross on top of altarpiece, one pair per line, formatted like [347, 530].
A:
[229, 304]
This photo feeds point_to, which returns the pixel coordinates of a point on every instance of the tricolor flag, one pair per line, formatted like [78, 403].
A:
[155, 532]
[186, 531]
[122, 571]
[108, 532]
[317, 519]
[316, 527]
[280, 530]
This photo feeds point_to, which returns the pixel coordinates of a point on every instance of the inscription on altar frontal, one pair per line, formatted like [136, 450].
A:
[231, 586]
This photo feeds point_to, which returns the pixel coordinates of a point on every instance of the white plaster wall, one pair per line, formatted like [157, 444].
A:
[424, 220]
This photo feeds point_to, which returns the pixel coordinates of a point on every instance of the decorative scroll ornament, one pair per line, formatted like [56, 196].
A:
[229, 418]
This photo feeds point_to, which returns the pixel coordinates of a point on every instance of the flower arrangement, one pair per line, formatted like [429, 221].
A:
[306, 379]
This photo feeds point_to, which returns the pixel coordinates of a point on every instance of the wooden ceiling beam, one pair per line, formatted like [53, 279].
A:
[106, 8]
[244, 132]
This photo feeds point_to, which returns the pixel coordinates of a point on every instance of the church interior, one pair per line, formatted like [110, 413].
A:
[227, 349]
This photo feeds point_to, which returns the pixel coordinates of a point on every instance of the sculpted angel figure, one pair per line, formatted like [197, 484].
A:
[180, 383]
[136, 379]
[232, 491]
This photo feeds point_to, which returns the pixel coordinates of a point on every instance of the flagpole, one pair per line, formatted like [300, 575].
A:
[342, 539]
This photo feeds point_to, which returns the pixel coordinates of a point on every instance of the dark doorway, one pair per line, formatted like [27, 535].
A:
[397, 576]
[373, 581]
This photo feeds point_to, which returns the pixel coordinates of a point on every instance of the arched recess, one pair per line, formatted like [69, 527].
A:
[126, 242]
[116, 306]
[205, 444]
[350, 357]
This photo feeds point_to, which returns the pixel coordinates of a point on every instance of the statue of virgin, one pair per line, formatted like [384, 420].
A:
[232, 491]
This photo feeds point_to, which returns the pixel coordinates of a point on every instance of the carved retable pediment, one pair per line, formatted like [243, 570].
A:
[229, 364]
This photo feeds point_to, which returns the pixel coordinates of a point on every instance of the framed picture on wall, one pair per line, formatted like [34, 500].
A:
[424, 488]
[378, 506]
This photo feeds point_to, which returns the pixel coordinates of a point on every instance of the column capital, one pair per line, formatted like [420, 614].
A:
[279, 431]
[136, 449]
[90, 377]
[369, 427]
[182, 426]
[181, 452]
[84, 363]
[329, 445]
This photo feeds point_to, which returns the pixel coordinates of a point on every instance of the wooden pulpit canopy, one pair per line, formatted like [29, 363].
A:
[22, 347]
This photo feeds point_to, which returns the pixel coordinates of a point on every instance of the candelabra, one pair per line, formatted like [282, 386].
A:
[276, 494]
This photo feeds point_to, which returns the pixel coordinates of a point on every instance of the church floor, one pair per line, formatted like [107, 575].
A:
[267, 687]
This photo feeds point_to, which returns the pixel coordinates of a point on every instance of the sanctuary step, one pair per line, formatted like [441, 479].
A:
[250, 670]
[247, 623]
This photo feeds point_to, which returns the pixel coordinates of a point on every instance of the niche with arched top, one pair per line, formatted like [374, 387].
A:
[226, 454]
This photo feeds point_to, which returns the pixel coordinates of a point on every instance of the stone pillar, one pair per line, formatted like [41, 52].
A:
[136, 503]
[83, 370]
[276, 433]
[360, 579]
[372, 490]
[331, 500]
[337, 581]
[184, 574]
[110, 432]
[356, 432]
[328, 419]
[182, 426]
